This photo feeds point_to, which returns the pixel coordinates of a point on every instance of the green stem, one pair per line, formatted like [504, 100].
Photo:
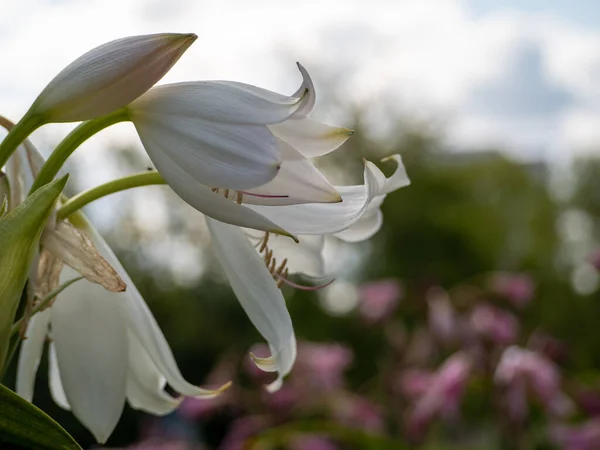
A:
[77, 137]
[27, 125]
[83, 198]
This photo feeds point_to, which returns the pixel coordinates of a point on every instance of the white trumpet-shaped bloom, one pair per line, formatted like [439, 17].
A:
[227, 136]
[109, 77]
[256, 264]
[105, 348]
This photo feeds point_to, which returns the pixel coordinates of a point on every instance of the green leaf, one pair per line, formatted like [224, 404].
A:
[20, 232]
[25, 424]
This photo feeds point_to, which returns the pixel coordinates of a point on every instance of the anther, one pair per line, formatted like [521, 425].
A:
[264, 243]
[240, 195]
[226, 195]
[281, 267]
[272, 266]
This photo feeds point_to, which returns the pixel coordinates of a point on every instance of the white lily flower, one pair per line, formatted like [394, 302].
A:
[217, 141]
[109, 77]
[257, 264]
[105, 347]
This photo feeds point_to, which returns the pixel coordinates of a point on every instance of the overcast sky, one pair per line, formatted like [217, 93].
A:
[523, 75]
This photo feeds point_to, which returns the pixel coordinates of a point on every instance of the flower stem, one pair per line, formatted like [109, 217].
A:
[77, 137]
[27, 125]
[83, 198]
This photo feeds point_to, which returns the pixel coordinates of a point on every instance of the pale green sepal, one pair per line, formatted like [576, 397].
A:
[24, 424]
[20, 232]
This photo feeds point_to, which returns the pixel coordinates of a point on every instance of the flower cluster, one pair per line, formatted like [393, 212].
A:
[237, 153]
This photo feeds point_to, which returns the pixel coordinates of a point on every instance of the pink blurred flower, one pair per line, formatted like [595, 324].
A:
[312, 442]
[379, 299]
[501, 327]
[413, 383]
[585, 436]
[159, 444]
[442, 317]
[518, 288]
[594, 259]
[443, 396]
[321, 367]
[359, 412]
[520, 370]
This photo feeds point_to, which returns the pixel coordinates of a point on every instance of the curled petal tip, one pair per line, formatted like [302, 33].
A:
[223, 388]
[282, 232]
[337, 198]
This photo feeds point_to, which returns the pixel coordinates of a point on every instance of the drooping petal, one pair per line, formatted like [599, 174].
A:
[143, 325]
[74, 248]
[223, 101]
[298, 181]
[364, 228]
[91, 350]
[56, 388]
[215, 154]
[309, 137]
[328, 218]
[109, 77]
[31, 353]
[210, 203]
[258, 294]
[145, 384]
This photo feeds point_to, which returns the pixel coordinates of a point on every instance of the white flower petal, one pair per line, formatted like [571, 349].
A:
[143, 325]
[307, 89]
[31, 353]
[110, 76]
[257, 292]
[309, 137]
[298, 180]
[90, 338]
[210, 203]
[56, 388]
[215, 154]
[363, 229]
[328, 218]
[145, 384]
[222, 101]
[325, 218]
[399, 178]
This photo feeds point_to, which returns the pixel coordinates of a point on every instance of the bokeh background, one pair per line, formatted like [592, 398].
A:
[471, 320]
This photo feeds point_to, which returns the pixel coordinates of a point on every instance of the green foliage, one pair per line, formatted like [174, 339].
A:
[20, 231]
[24, 424]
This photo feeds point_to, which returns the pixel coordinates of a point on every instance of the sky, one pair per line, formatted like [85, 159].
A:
[518, 74]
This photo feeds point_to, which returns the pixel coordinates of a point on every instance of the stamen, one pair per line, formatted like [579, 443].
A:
[272, 267]
[226, 195]
[240, 195]
[283, 279]
[264, 243]
[215, 190]
[282, 266]
[268, 256]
